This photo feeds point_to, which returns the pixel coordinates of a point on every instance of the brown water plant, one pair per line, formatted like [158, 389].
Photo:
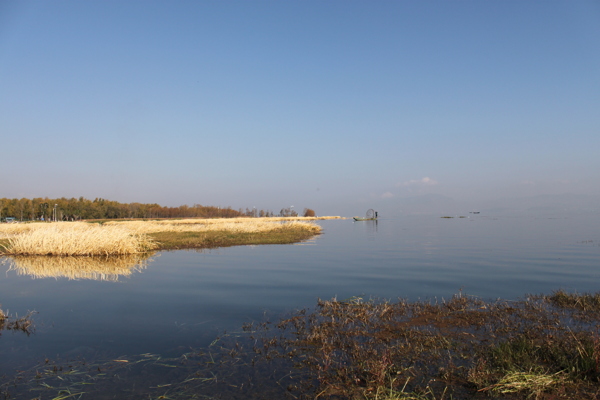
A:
[459, 348]
[23, 324]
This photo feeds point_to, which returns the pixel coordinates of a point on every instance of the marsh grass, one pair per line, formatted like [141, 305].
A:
[135, 237]
[460, 348]
[457, 348]
[77, 239]
[217, 238]
[232, 225]
[587, 302]
[535, 383]
[23, 324]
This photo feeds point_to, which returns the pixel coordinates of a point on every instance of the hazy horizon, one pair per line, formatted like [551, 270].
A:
[335, 106]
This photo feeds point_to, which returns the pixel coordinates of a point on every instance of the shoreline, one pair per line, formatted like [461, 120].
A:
[121, 237]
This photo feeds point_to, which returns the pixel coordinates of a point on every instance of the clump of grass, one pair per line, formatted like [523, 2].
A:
[582, 302]
[531, 382]
[459, 348]
[9, 230]
[77, 239]
[23, 324]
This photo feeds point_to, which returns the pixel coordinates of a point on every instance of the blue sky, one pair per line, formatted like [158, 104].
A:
[332, 105]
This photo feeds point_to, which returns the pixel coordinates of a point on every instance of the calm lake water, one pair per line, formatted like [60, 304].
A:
[182, 299]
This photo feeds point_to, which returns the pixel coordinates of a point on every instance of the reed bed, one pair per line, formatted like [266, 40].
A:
[10, 230]
[232, 225]
[74, 268]
[77, 239]
[134, 237]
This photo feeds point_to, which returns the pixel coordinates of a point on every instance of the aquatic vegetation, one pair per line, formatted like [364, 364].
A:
[23, 324]
[460, 348]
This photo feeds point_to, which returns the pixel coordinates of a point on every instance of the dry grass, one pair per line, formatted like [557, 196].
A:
[10, 230]
[533, 383]
[77, 239]
[133, 237]
[232, 225]
[94, 268]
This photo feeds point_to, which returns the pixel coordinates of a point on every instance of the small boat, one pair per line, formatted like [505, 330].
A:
[371, 216]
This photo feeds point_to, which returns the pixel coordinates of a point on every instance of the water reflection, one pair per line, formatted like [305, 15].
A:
[109, 268]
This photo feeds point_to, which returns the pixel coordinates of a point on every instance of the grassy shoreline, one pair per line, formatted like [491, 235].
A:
[106, 238]
[215, 239]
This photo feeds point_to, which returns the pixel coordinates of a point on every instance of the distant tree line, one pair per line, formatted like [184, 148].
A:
[285, 212]
[73, 209]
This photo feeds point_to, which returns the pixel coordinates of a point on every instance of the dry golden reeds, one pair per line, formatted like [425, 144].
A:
[234, 225]
[126, 237]
[77, 239]
[10, 230]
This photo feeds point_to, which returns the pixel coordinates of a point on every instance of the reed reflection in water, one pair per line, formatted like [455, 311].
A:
[108, 268]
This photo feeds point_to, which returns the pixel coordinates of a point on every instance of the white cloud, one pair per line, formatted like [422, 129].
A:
[387, 195]
[427, 181]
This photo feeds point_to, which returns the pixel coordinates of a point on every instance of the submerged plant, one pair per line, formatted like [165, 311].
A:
[458, 348]
[461, 348]
[23, 324]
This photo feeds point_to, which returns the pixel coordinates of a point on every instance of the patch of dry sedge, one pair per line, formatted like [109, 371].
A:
[232, 225]
[76, 239]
